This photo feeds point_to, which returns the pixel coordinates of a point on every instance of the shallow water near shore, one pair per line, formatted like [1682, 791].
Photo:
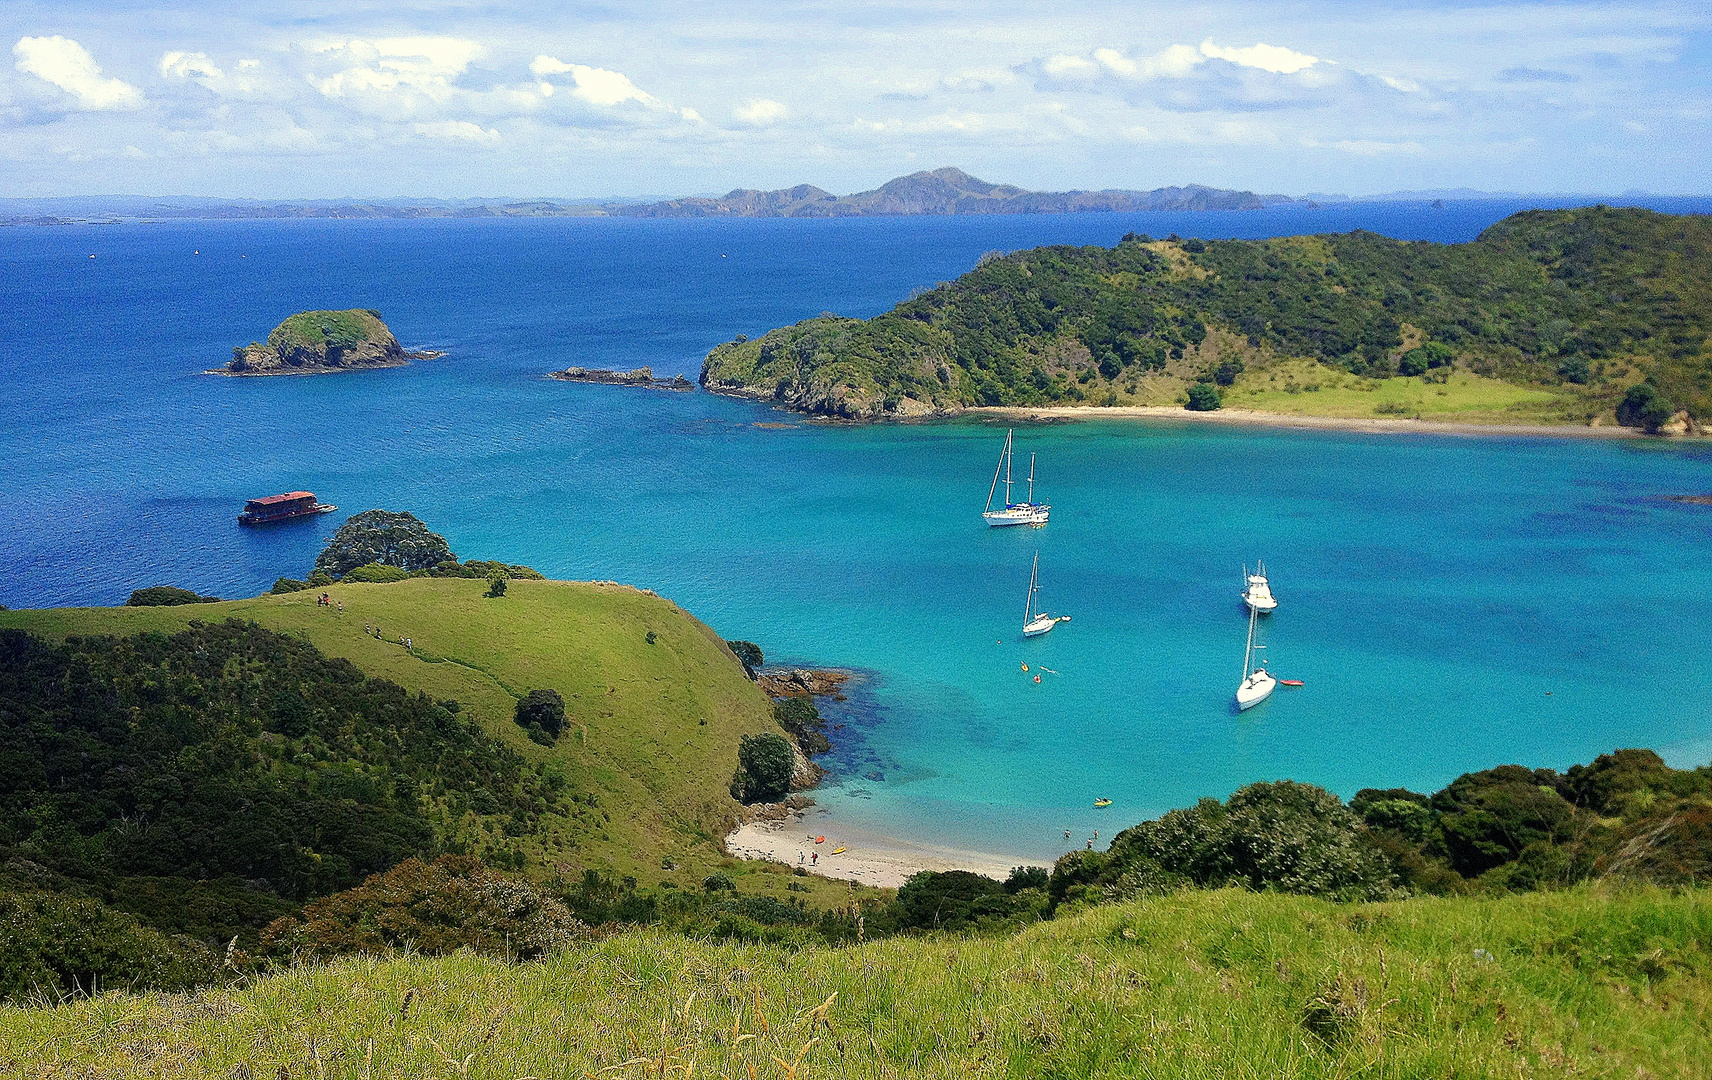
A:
[1450, 602]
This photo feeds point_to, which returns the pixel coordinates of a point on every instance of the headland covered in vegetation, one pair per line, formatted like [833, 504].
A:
[1587, 316]
[318, 342]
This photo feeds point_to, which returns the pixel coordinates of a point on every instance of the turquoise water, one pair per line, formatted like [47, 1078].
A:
[1451, 603]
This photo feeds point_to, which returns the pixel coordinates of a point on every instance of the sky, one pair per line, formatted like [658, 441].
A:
[359, 98]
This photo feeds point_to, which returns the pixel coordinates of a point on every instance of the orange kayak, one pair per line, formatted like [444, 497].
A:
[820, 839]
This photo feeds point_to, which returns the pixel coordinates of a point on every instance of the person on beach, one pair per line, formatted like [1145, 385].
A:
[814, 858]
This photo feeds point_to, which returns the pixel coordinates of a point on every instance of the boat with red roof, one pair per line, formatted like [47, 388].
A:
[292, 504]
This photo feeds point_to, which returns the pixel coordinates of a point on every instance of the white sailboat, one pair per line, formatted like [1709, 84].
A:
[1257, 683]
[1023, 513]
[1036, 623]
[1257, 591]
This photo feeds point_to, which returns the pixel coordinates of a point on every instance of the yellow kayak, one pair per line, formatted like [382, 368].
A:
[839, 850]
[1102, 802]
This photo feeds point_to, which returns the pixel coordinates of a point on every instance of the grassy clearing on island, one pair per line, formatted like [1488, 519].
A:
[652, 728]
[1196, 984]
[1309, 388]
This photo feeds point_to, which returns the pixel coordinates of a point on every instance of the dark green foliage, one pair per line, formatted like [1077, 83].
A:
[1487, 818]
[718, 881]
[799, 716]
[1532, 295]
[54, 946]
[959, 900]
[748, 654]
[1286, 836]
[479, 568]
[376, 573]
[438, 907]
[381, 536]
[496, 586]
[1027, 877]
[287, 585]
[1203, 397]
[765, 766]
[1575, 370]
[166, 596]
[1624, 781]
[542, 710]
[230, 753]
[1644, 407]
[1225, 374]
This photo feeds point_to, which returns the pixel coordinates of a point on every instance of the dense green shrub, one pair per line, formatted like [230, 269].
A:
[799, 716]
[451, 903]
[381, 536]
[376, 573]
[765, 766]
[960, 900]
[166, 596]
[1203, 397]
[1644, 407]
[541, 710]
[1487, 818]
[285, 585]
[54, 946]
[748, 654]
[496, 586]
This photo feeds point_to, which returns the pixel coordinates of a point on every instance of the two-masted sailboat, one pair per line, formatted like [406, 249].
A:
[1034, 621]
[1014, 513]
[1257, 591]
[1257, 683]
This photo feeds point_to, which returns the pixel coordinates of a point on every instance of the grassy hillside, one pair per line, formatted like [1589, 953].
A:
[1549, 316]
[1198, 984]
[651, 729]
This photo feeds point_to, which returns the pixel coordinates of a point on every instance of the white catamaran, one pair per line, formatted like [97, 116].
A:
[1023, 513]
[1257, 591]
[1036, 623]
[1257, 683]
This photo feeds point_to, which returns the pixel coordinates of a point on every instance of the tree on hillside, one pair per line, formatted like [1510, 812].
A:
[1203, 397]
[542, 711]
[765, 766]
[381, 536]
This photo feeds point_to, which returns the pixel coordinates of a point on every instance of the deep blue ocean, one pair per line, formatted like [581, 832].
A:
[1451, 603]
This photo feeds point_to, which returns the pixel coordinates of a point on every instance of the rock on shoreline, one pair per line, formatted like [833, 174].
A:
[641, 376]
[321, 342]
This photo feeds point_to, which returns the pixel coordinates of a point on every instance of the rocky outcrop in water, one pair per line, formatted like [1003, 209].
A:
[641, 376]
[317, 342]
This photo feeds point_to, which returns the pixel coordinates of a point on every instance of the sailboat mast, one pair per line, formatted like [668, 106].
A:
[1031, 479]
[1248, 653]
[1007, 468]
[1033, 580]
[996, 468]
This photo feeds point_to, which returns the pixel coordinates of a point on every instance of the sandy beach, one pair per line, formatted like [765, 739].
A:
[870, 858]
[1377, 425]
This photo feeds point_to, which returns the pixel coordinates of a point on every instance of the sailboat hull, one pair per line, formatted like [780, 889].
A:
[1255, 689]
[1039, 626]
[1021, 514]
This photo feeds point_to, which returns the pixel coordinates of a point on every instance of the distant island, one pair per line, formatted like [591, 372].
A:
[941, 191]
[317, 342]
[642, 376]
[1591, 316]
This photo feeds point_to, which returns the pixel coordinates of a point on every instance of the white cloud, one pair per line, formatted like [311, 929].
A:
[68, 65]
[426, 65]
[189, 65]
[597, 86]
[457, 131]
[761, 111]
[1273, 58]
[1070, 66]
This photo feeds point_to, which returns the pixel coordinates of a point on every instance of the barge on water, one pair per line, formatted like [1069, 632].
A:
[293, 504]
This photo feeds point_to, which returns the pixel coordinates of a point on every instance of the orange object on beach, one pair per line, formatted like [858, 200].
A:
[820, 839]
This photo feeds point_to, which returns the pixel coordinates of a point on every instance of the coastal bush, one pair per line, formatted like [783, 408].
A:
[1203, 397]
[381, 536]
[166, 596]
[284, 585]
[376, 573]
[496, 586]
[451, 903]
[799, 716]
[481, 569]
[228, 753]
[1485, 819]
[960, 900]
[53, 947]
[1644, 407]
[765, 766]
[1225, 374]
[748, 654]
[541, 710]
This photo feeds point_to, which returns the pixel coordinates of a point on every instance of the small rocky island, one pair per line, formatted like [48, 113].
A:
[316, 342]
[641, 376]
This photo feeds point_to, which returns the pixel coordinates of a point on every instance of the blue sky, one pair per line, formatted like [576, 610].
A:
[359, 98]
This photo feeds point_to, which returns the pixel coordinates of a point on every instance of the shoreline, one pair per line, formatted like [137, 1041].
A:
[871, 859]
[1377, 425]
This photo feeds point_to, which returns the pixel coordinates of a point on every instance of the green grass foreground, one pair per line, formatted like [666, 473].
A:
[1196, 984]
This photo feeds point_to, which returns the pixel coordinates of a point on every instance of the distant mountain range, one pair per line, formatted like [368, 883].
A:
[942, 191]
